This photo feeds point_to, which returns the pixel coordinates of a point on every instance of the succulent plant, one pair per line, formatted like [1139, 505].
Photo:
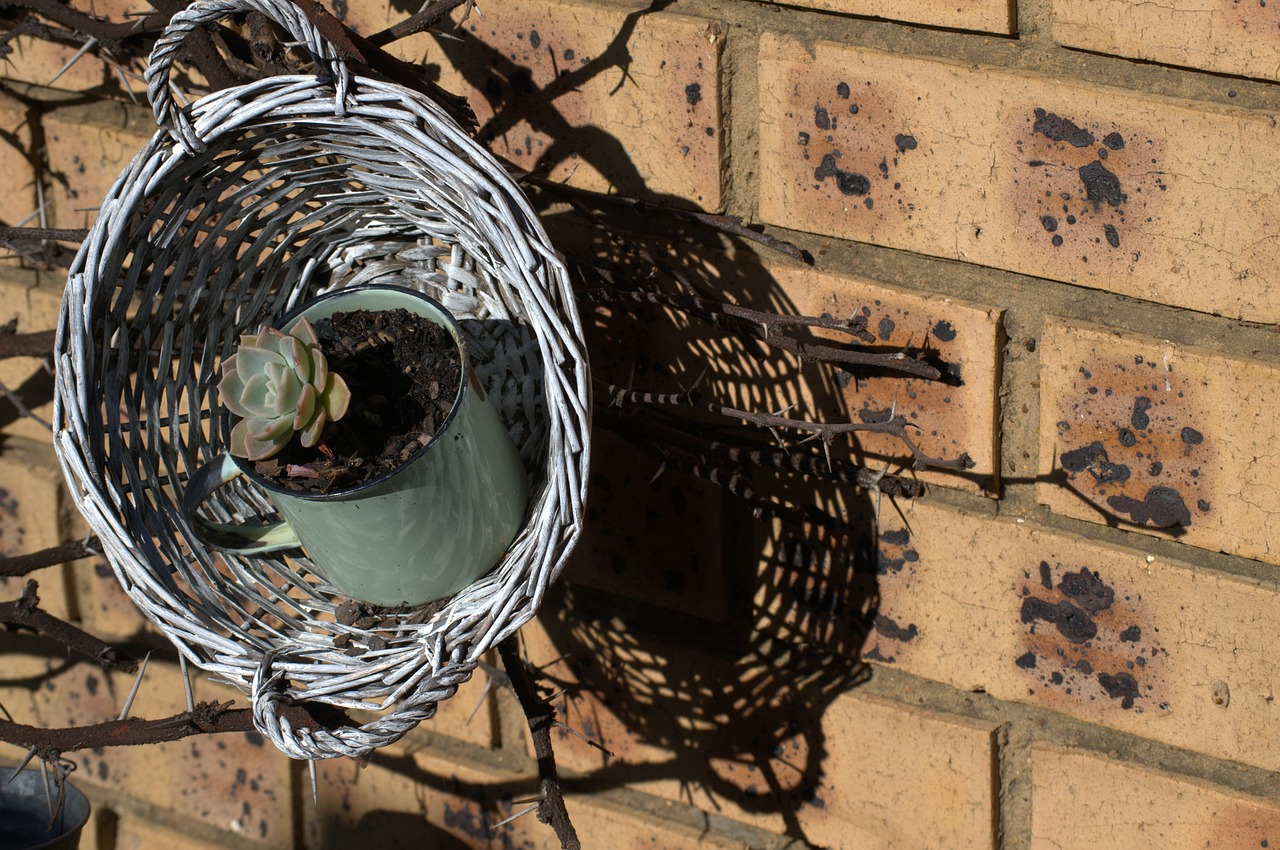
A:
[280, 384]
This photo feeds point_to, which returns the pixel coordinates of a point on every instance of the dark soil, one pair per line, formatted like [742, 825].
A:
[403, 372]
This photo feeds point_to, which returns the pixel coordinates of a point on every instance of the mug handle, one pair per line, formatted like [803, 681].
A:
[237, 539]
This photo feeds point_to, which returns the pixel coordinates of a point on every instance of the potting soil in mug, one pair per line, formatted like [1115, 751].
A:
[403, 371]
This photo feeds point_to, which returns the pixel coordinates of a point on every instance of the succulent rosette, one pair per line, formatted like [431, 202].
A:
[279, 384]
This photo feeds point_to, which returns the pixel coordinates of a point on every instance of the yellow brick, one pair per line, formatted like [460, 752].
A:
[1085, 801]
[722, 734]
[1150, 433]
[235, 783]
[1108, 635]
[33, 507]
[983, 15]
[88, 147]
[1098, 187]
[950, 419]
[430, 801]
[656, 542]
[1226, 36]
[19, 198]
[572, 100]
[135, 833]
[33, 299]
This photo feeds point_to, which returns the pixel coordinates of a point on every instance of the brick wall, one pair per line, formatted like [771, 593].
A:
[1073, 200]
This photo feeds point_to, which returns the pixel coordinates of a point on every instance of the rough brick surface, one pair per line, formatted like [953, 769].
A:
[1227, 36]
[954, 415]
[235, 783]
[33, 509]
[985, 15]
[1169, 440]
[755, 741]
[33, 299]
[19, 198]
[1165, 650]
[135, 833]
[650, 534]
[1151, 199]
[609, 98]
[88, 147]
[429, 800]
[1086, 801]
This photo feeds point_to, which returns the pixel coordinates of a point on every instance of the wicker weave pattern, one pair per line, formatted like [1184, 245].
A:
[265, 196]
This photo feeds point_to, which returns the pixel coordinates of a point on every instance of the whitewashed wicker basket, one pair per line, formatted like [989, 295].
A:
[255, 199]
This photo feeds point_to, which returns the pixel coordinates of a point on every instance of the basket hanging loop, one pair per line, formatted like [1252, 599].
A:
[203, 12]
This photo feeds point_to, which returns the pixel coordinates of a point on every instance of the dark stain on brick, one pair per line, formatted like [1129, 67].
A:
[693, 93]
[874, 654]
[1046, 576]
[848, 182]
[803, 139]
[1115, 141]
[893, 631]
[898, 537]
[1133, 634]
[944, 331]
[1163, 507]
[842, 91]
[1072, 622]
[1121, 686]
[1139, 418]
[1027, 661]
[1049, 223]
[1127, 438]
[568, 55]
[1101, 185]
[905, 142]
[1061, 130]
[821, 119]
[1088, 589]
[1113, 238]
[1192, 437]
[535, 40]
[1094, 459]
[886, 328]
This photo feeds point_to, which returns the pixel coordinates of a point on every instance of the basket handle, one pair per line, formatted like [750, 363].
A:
[203, 12]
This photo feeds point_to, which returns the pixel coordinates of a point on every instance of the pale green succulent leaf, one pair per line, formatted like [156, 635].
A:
[337, 397]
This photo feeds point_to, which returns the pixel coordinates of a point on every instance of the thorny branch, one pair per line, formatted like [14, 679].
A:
[206, 718]
[21, 565]
[542, 719]
[895, 426]
[25, 612]
[771, 328]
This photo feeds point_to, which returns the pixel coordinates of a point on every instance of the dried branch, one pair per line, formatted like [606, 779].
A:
[895, 426]
[206, 718]
[542, 719]
[25, 613]
[21, 565]
[712, 457]
[769, 328]
[427, 17]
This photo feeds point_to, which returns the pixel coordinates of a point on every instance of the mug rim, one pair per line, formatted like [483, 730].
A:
[455, 331]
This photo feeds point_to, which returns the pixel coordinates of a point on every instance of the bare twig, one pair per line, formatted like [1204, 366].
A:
[430, 15]
[895, 426]
[25, 612]
[207, 718]
[21, 565]
[770, 329]
[542, 719]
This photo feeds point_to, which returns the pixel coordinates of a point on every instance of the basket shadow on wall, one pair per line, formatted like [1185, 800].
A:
[698, 635]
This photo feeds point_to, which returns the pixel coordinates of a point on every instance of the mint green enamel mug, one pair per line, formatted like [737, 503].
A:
[419, 533]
